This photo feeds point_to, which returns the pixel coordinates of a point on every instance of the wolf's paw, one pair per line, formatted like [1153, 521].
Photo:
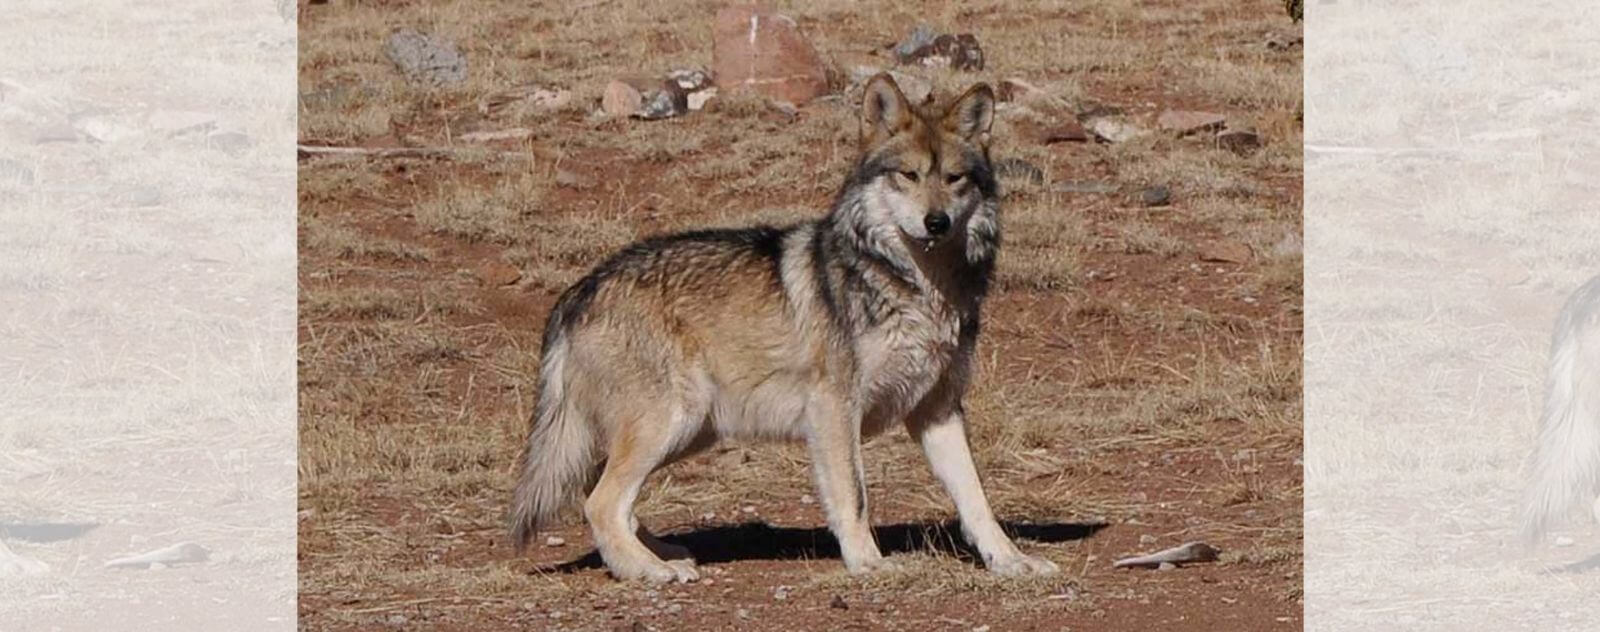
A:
[1021, 565]
[681, 571]
[873, 565]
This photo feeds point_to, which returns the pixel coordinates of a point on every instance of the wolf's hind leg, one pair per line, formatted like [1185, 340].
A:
[636, 452]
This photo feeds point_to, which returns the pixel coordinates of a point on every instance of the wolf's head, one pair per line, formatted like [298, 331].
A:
[923, 175]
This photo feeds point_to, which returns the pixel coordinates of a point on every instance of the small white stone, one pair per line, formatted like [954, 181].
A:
[555, 541]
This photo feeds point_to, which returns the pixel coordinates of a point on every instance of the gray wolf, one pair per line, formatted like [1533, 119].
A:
[828, 331]
[1565, 468]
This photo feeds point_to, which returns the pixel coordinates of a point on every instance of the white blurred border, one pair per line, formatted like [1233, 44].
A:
[147, 319]
[1451, 207]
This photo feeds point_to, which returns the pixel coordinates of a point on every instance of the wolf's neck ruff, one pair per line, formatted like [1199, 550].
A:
[880, 259]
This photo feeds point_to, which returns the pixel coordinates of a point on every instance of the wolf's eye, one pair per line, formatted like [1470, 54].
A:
[954, 178]
[910, 175]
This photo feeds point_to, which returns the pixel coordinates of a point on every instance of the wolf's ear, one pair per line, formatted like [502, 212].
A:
[884, 109]
[972, 114]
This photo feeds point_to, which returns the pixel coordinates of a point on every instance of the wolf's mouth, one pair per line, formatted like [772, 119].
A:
[924, 242]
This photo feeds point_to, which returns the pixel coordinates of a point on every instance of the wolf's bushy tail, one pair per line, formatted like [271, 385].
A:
[1566, 464]
[559, 458]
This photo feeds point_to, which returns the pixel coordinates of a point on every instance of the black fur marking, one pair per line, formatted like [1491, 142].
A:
[981, 174]
[819, 271]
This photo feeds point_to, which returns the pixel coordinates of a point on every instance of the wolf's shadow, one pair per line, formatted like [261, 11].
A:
[45, 532]
[1584, 565]
[760, 541]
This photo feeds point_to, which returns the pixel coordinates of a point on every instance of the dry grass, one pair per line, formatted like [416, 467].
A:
[1095, 396]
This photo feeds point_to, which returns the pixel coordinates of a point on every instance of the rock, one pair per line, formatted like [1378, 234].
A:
[647, 99]
[621, 99]
[231, 143]
[426, 59]
[103, 126]
[176, 123]
[571, 180]
[524, 100]
[1226, 251]
[690, 79]
[733, 458]
[1018, 169]
[781, 593]
[1146, 540]
[960, 52]
[838, 603]
[1016, 90]
[1156, 195]
[666, 103]
[921, 36]
[489, 136]
[784, 108]
[697, 100]
[764, 52]
[1166, 566]
[554, 541]
[1092, 187]
[1284, 42]
[1240, 141]
[1563, 541]
[1112, 130]
[498, 273]
[916, 89]
[1186, 122]
[1065, 131]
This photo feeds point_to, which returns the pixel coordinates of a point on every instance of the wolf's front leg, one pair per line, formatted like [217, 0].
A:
[944, 441]
[834, 439]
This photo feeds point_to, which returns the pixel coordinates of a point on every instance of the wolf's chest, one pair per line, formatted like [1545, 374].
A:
[903, 358]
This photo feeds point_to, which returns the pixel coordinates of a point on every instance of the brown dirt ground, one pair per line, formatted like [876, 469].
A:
[1130, 397]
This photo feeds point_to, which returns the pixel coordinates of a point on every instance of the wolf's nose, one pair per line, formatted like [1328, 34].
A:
[937, 223]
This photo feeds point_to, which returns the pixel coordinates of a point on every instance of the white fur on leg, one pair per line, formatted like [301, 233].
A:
[14, 565]
[836, 463]
[945, 444]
